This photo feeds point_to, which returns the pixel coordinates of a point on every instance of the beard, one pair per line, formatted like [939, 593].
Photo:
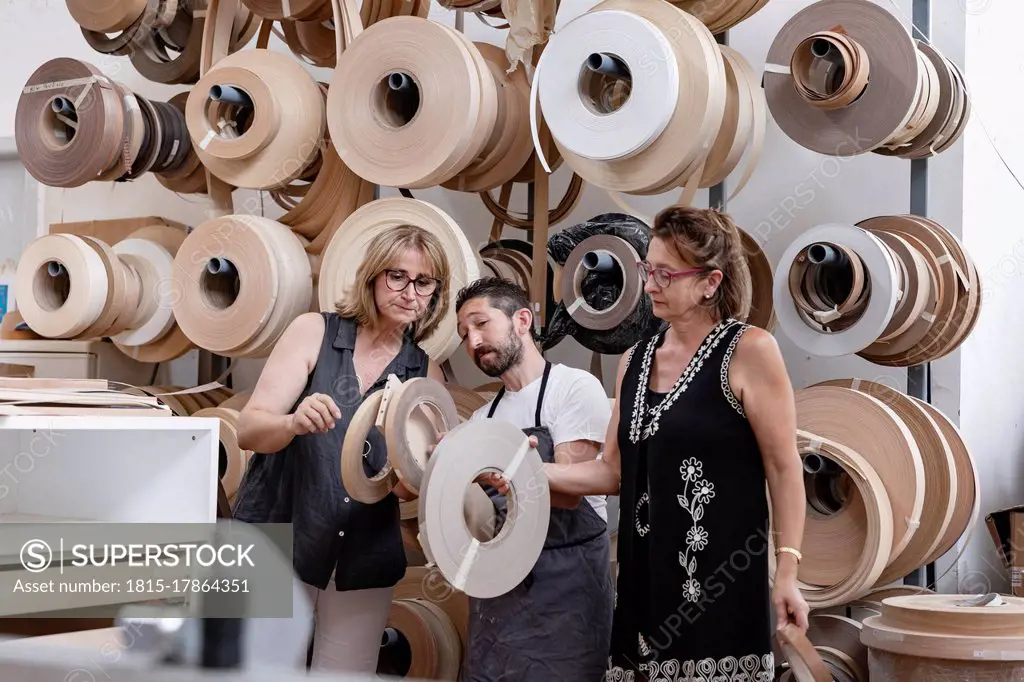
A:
[507, 355]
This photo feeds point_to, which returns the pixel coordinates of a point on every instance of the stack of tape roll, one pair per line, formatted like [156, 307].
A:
[845, 77]
[348, 243]
[762, 306]
[78, 287]
[946, 637]
[239, 281]
[163, 37]
[414, 103]
[891, 487]
[896, 290]
[494, 564]
[433, 619]
[74, 125]
[624, 126]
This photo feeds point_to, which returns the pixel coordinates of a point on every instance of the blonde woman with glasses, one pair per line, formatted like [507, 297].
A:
[348, 554]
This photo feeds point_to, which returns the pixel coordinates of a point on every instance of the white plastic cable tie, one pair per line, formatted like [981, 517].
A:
[462, 574]
[942, 260]
[131, 102]
[210, 134]
[928, 317]
[778, 68]
[576, 304]
[534, 104]
[913, 524]
[826, 316]
[174, 150]
[855, 384]
[816, 446]
[517, 459]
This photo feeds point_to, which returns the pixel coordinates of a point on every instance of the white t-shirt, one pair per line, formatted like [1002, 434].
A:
[575, 408]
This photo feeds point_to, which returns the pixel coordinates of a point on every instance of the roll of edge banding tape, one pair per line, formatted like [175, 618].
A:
[491, 568]
[882, 275]
[601, 251]
[595, 50]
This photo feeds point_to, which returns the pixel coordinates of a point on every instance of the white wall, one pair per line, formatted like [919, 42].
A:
[792, 190]
[992, 395]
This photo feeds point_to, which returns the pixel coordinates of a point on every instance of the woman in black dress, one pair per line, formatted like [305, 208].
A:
[705, 416]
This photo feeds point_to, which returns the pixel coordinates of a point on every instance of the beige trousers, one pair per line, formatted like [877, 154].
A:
[348, 628]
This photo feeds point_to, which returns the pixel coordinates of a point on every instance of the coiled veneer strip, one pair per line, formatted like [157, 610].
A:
[241, 280]
[233, 460]
[349, 241]
[412, 103]
[409, 430]
[845, 77]
[656, 138]
[872, 429]
[257, 119]
[762, 308]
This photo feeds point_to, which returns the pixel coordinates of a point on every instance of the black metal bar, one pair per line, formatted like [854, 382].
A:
[716, 193]
[919, 377]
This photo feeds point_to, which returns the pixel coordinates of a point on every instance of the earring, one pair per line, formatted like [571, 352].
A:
[707, 295]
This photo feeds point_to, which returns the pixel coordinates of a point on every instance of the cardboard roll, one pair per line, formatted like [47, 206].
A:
[364, 488]
[63, 287]
[872, 429]
[941, 472]
[493, 567]
[845, 549]
[396, 93]
[347, 247]
[947, 287]
[762, 309]
[509, 146]
[821, 289]
[434, 646]
[603, 256]
[239, 281]
[815, 74]
[232, 459]
[150, 251]
[620, 125]
[946, 637]
[257, 119]
[429, 585]
[75, 125]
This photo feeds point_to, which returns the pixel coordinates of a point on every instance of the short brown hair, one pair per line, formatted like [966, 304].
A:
[710, 239]
[382, 253]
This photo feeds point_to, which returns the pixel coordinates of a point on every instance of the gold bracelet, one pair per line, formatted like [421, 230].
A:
[790, 550]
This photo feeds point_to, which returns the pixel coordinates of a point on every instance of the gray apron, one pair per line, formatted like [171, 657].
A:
[556, 624]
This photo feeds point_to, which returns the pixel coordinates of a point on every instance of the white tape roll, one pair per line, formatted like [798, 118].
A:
[157, 284]
[575, 118]
[881, 273]
[492, 568]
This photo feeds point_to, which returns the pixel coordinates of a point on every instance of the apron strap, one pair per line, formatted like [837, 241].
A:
[540, 397]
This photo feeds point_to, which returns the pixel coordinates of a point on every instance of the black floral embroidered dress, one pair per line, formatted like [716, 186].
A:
[692, 596]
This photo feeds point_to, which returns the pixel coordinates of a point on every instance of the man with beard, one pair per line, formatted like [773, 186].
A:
[556, 624]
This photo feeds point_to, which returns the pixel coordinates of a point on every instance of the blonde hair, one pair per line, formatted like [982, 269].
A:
[710, 239]
[383, 252]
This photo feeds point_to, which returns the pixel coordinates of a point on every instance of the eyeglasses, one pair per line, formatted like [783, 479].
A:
[663, 277]
[398, 281]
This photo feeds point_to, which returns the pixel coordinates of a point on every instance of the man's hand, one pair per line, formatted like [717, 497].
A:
[498, 481]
